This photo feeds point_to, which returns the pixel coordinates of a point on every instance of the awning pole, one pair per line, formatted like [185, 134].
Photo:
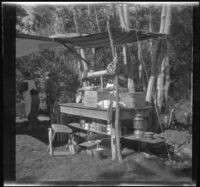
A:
[73, 51]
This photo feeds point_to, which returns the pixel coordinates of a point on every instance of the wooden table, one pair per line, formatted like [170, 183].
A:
[79, 109]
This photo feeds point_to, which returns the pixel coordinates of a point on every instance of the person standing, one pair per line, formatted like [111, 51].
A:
[50, 90]
[31, 99]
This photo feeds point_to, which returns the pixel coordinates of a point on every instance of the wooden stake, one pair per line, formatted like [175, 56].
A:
[117, 124]
[50, 141]
[101, 83]
[117, 128]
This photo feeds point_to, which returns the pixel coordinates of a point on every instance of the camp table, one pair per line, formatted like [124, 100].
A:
[79, 109]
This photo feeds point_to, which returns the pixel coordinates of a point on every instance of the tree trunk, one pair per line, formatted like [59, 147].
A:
[163, 18]
[165, 15]
[89, 10]
[150, 40]
[121, 16]
[97, 20]
[161, 85]
[81, 51]
[150, 88]
[126, 16]
[167, 65]
[167, 79]
[125, 23]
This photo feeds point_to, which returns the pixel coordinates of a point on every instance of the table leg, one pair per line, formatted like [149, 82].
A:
[113, 143]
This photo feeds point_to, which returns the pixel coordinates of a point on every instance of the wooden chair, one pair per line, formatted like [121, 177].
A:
[56, 129]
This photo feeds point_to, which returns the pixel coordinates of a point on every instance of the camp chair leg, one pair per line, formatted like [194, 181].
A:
[51, 138]
[71, 149]
[50, 141]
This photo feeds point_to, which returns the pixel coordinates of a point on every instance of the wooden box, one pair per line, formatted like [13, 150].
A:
[92, 97]
[133, 100]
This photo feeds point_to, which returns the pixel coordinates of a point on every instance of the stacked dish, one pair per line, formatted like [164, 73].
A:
[148, 135]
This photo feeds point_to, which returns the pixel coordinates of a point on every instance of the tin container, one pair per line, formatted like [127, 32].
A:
[82, 123]
[138, 133]
[108, 129]
[99, 127]
[138, 122]
[86, 126]
[96, 127]
[104, 128]
[93, 124]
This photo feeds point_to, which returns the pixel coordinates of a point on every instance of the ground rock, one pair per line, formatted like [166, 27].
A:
[175, 137]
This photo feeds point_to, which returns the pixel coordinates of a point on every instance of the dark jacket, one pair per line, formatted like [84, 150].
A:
[50, 89]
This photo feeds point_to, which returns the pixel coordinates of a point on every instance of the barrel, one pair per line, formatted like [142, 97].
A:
[138, 126]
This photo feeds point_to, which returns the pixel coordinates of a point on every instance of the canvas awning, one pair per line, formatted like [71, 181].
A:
[102, 39]
[28, 43]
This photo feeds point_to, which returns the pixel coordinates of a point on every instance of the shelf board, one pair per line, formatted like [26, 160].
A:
[77, 125]
[152, 141]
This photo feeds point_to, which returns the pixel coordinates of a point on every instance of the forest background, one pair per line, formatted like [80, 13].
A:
[86, 19]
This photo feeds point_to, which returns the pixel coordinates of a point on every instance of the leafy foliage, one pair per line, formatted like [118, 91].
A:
[92, 19]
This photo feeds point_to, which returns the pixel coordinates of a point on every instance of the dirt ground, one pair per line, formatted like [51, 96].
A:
[34, 164]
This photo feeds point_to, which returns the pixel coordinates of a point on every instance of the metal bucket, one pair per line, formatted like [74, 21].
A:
[98, 153]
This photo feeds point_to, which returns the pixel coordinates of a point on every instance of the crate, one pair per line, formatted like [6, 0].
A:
[133, 100]
[92, 97]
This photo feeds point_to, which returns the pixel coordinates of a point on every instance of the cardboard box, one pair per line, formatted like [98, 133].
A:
[92, 97]
[133, 100]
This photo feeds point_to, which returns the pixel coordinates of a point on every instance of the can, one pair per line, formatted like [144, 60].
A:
[99, 127]
[83, 123]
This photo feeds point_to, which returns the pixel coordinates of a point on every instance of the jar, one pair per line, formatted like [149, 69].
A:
[108, 129]
[86, 126]
[83, 123]
[99, 127]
